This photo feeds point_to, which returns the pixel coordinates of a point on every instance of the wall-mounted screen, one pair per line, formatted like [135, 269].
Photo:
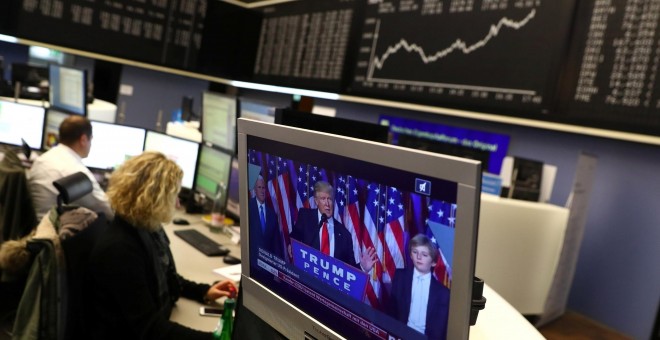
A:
[487, 147]
[182, 151]
[346, 228]
[20, 121]
[489, 56]
[219, 120]
[113, 144]
[68, 89]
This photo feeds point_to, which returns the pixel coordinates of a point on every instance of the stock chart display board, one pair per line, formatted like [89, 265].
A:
[613, 66]
[306, 44]
[500, 56]
[162, 32]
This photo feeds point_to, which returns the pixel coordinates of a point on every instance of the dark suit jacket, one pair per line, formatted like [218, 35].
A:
[271, 239]
[306, 230]
[437, 309]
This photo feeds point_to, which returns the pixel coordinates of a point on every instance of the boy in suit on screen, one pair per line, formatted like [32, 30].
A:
[418, 299]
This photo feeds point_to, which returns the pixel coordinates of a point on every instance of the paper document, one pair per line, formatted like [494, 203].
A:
[230, 272]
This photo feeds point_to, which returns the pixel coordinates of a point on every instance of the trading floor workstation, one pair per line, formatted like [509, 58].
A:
[224, 169]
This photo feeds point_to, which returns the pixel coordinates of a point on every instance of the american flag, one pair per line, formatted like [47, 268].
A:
[374, 222]
[344, 200]
[315, 174]
[280, 190]
[302, 186]
[443, 216]
[393, 234]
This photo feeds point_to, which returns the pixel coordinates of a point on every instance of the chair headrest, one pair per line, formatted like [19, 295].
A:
[73, 187]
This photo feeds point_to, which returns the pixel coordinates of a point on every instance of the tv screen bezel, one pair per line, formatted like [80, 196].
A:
[289, 319]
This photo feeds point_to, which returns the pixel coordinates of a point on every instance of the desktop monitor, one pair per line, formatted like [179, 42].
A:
[384, 197]
[113, 144]
[33, 80]
[233, 206]
[68, 89]
[182, 151]
[219, 120]
[212, 172]
[334, 125]
[52, 129]
[20, 121]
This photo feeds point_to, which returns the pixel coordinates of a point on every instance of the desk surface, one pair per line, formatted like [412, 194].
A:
[499, 320]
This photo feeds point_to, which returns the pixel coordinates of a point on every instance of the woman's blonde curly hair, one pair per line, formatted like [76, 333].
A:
[144, 189]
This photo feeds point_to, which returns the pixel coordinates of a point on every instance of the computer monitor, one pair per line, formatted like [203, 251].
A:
[20, 121]
[384, 197]
[52, 129]
[257, 110]
[219, 120]
[182, 151]
[213, 169]
[233, 205]
[113, 144]
[334, 125]
[68, 89]
[33, 80]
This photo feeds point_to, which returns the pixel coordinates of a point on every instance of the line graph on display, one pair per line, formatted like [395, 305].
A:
[459, 45]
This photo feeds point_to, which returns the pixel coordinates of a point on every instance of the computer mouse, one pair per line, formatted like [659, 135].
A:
[228, 259]
[180, 221]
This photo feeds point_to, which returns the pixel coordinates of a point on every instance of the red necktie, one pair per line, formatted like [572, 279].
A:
[325, 239]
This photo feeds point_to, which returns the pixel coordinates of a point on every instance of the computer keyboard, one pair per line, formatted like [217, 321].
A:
[201, 242]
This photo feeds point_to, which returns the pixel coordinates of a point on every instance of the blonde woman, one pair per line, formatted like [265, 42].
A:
[133, 280]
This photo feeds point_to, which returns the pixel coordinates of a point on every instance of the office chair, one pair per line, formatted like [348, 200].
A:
[51, 306]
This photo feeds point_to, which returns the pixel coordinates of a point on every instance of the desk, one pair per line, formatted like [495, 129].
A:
[499, 320]
[195, 266]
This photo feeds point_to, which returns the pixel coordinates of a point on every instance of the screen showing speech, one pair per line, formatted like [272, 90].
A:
[347, 228]
[182, 151]
[52, 129]
[19, 121]
[68, 89]
[113, 144]
[219, 120]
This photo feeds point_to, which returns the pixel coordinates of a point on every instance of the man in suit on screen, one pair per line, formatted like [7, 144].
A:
[418, 299]
[264, 228]
[318, 229]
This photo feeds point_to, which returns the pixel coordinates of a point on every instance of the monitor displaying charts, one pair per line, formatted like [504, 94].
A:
[182, 151]
[20, 121]
[113, 144]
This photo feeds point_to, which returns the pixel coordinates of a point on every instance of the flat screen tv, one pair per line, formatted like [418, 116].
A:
[391, 213]
[68, 89]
